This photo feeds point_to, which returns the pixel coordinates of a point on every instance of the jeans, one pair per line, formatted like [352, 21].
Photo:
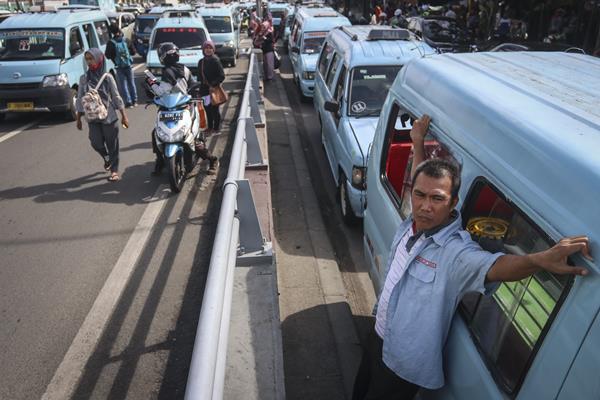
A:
[127, 85]
[213, 116]
[104, 138]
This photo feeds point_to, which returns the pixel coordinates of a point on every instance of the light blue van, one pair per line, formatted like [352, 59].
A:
[311, 25]
[218, 19]
[280, 11]
[144, 24]
[526, 135]
[187, 33]
[41, 59]
[356, 68]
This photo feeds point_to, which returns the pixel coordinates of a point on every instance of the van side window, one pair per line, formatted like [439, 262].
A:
[509, 326]
[294, 32]
[88, 29]
[326, 54]
[335, 63]
[338, 94]
[102, 31]
[397, 157]
[75, 40]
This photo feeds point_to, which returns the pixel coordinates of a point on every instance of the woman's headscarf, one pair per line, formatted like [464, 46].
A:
[208, 43]
[96, 71]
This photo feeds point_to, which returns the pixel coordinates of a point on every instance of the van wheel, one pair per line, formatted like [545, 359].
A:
[347, 213]
[71, 114]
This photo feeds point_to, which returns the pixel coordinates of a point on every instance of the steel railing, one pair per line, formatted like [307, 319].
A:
[206, 376]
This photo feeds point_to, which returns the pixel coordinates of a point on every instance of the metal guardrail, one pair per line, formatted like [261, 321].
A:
[238, 241]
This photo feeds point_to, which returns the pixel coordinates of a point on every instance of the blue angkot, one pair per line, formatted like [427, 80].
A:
[444, 267]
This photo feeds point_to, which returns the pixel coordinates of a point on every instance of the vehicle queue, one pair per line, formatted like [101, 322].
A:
[522, 132]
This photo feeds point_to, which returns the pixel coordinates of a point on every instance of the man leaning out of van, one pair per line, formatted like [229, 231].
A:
[404, 350]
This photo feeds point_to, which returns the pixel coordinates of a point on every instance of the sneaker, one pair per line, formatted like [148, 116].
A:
[214, 165]
[135, 104]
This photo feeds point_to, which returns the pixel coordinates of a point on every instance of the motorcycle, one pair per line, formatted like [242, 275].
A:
[176, 132]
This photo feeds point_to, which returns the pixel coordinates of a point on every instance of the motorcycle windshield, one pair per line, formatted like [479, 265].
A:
[173, 100]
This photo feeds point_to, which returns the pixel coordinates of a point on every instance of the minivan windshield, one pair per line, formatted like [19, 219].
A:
[145, 25]
[313, 41]
[368, 89]
[184, 38]
[217, 24]
[31, 44]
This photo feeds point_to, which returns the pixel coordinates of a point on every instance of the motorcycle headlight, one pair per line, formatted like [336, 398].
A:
[55, 80]
[358, 177]
[156, 71]
[170, 137]
[308, 75]
[229, 44]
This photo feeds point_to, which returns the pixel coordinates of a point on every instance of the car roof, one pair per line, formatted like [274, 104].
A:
[357, 49]
[531, 117]
[320, 18]
[177, 22]
[58, 19]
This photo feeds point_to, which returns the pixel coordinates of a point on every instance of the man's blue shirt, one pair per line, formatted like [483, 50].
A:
[447, 265]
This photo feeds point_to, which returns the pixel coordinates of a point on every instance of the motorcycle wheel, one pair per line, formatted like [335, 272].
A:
[176, 169]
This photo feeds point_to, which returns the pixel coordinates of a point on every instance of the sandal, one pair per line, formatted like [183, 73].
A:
[114, 177]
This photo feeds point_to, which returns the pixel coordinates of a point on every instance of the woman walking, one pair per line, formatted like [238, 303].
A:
[210, 74]
[103, 133]
[268, 49]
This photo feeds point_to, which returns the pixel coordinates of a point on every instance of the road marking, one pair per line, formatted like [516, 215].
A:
[138, 66]
[69, 372]
[18, 130]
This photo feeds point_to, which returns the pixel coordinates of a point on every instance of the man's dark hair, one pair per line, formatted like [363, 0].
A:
[439, 168]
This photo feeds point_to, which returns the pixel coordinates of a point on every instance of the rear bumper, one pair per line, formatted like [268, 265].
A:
[226, 53]
[52, 99]
[307, 87]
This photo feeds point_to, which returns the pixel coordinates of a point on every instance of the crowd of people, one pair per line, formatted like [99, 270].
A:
[264, 37]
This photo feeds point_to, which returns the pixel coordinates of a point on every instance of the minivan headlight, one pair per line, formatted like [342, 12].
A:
[55, 80]
[229, 44]
[308, 75]
[358, 177]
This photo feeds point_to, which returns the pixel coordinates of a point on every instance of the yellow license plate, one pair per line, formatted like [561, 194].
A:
[20, 106]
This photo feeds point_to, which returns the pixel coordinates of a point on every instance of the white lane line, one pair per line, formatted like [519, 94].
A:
[138, 66]
[19, 130]
[69, 372]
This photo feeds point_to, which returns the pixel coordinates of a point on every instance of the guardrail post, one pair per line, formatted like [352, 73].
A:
[253, 250]
[254, 157]
[254, 110]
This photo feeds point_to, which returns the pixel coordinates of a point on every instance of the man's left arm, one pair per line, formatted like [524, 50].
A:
[508, 267]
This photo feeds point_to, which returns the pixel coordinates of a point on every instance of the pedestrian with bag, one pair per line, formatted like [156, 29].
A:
[98, 99]
[211, 77]
[268, 49]
[119, 50]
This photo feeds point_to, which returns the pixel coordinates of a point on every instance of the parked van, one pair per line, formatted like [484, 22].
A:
[218, 19]
[356, 68]
[41, 59]
[526, 136]
[144, 24]
[311, 25]
[187, 33]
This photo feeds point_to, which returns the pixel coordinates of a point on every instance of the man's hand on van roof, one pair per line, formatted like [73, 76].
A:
[513, 268]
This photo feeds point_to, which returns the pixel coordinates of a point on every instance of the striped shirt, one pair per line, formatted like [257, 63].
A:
[397, 269]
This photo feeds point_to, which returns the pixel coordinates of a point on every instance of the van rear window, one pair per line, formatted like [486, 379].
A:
[218, 24]
[184, 38]
[31, 44]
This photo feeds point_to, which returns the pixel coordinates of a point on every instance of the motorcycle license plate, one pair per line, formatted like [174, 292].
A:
[170, 116]
[20, 106]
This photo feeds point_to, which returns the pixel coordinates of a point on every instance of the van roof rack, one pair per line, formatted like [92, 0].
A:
[353, 36]
[388, 34]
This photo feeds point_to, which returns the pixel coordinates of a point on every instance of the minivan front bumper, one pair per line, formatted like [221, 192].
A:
[226, 53]
[44, 99]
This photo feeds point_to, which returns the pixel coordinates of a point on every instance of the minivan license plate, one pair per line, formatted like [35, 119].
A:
[20, 106]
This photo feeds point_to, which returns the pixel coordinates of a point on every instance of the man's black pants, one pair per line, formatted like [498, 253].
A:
[375, 380]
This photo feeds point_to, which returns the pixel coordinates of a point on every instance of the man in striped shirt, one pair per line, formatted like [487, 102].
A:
[433, 263]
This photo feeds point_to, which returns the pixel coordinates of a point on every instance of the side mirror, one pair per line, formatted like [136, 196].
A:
[75, 48]
[332, 106]
[296, 50]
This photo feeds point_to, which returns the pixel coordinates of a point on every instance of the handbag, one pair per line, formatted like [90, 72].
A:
[277, 58]
[218, 95]
[93, 107]
[202, 116]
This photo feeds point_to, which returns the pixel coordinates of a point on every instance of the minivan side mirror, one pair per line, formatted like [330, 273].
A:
[296, 50]
[332, 106]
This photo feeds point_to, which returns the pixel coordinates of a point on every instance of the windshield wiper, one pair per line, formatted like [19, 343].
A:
[369, 113]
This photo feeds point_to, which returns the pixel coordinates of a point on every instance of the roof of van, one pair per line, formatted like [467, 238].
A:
[58, 19]
[182, 22]
[224, 10]
[177, 7]
[530, 117]
[359, 49]
[320, 18]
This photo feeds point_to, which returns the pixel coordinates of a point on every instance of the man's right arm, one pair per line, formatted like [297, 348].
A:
[417, 135]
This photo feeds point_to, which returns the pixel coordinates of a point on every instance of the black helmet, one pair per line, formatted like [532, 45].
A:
[168, 53]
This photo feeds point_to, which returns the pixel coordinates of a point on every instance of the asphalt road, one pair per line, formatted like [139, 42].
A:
[64, 228]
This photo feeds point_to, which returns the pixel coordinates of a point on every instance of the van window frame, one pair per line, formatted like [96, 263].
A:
[474, 190]
[90, 30]
[105, 37]
[324, 56]
[80, 36]
[332, 71]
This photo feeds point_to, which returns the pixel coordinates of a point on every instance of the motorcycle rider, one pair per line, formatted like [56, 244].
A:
[181, 79]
